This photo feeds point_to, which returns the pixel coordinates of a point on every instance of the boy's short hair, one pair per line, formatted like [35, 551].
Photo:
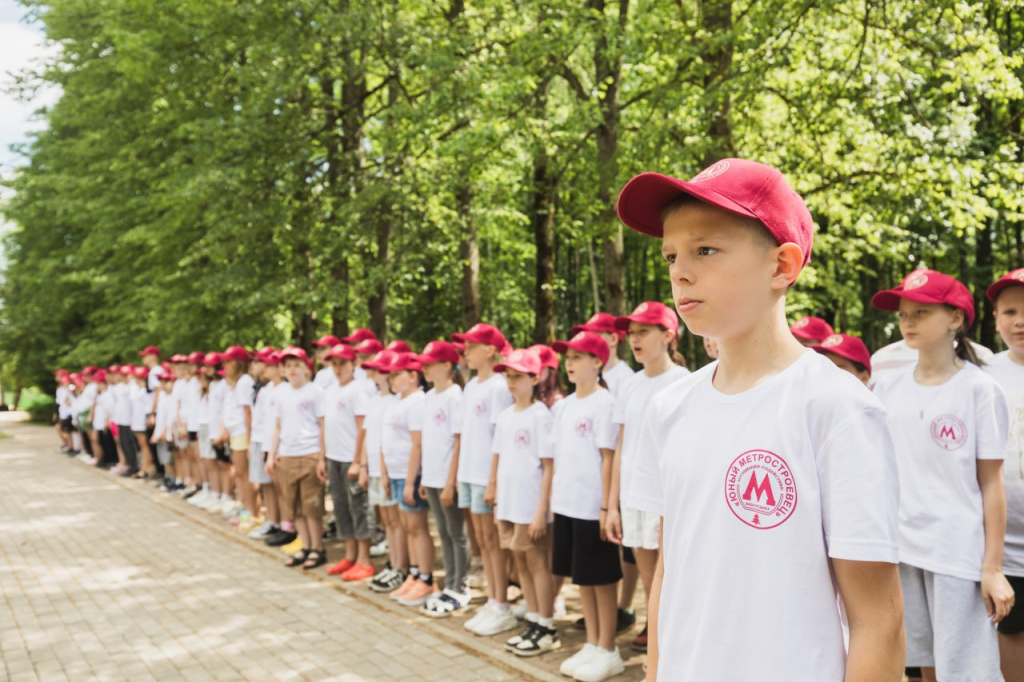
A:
[744, 188]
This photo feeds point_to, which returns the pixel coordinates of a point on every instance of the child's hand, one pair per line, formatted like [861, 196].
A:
[353, 471]
[269, 467]
[491, 493]
[613, 526]
[385, 483]
[423, 492]
[407, 495]
[448, 495]
[321, 469]
[364, 478]
[997, 593]
[538, 527]
[604, 535]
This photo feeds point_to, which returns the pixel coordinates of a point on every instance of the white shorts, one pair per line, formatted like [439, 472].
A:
[258, 465]
[205, 443]
[377, 497]
[948, 627]
[640, 529]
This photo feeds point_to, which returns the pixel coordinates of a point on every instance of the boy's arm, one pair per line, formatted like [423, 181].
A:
[653, 607]
[606, 483]
[321, 461]
[874, 607]
[359, 457]
[995, 589]
[613, 520]
[491, 492]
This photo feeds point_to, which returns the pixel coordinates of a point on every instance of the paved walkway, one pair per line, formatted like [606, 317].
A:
[99, 581]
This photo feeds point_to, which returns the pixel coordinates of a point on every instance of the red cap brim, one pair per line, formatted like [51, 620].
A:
[643, 199]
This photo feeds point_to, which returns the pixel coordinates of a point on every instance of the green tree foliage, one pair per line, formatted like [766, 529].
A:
[265, 171]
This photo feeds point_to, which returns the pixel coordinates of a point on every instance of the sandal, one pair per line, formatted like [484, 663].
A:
[314, 559]
[298, 558]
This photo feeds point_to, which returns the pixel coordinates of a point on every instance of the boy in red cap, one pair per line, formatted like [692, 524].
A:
[847, 353]
[811, 330]
[325, 375]
[777, 481]
[615, 371]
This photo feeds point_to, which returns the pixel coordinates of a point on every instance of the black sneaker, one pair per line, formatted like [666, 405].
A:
[513, 642]
[280, 537]
[388, 581]
[540, 640]
[624, 620]
[330, 530]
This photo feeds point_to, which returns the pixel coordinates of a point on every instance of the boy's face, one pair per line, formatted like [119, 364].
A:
[1010, 318]
[478, 355]
[342, 369]
[520, 385]
[725, 275]
[849, 366]
[294, 369]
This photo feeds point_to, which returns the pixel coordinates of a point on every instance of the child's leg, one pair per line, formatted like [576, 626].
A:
[474, 541]
[397, 541]
[227, 478]
[1011, 650]
[443, 533]
[458, 578]
[422, 543]
[357, 502]
[646, 563]
[538, 568]
[147, 454]
[630, 574]
[493, 557]
[607, 614]
[526, 582]
[129, 445]
[97, 449]
[270, 500]
[337, 481]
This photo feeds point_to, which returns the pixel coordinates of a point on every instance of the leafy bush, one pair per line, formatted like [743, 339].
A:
[40, 408]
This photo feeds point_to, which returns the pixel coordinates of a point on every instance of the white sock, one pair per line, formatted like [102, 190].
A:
[503, 608]
[548, 623]
[532, 617]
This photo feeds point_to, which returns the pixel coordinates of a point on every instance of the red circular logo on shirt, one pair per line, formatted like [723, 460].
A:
[584, 427]
[480, 408]
[760, 489]
[440, 417]
[949, 432]
[522, 438]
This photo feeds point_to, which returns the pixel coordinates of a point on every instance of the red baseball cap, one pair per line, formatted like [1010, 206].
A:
[99, 376]
[88, 369]
[272, 358]
[141, 372]
[812, 329]
[236, 353]
[584, 342]
[60, 372]
[482, 333]
[327, 340]
[359, 335]
[439, 351]
[380, 362]
[650, 312]
[405, 361]
[846, 346]
[342, 352]
[211, 359]
[114, 369]
[195, 358]
[369, 347]
[522, 360]
[397, 346]
[1010, 279]
[927, 286]
[150, 350]
[744, 188]
[127, 369]
[296, 352]
[177, 358]
[598, 322]
[548, 357]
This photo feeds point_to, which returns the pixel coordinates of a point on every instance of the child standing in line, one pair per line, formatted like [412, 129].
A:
[810, 331]
[948, 421]
[484, 398]
[442, 411]
[161, 438]
[631, 521]
[236, 429]
[520, 489]
[550, 387]
[297, 454]
[99, 415]
[848, 353]
[1007, 368]
[142, 407]
[325, 375]
[615, 371]
[266, 403]
[583, 444]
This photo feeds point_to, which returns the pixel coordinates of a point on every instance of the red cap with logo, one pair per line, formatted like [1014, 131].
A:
[482, 333]
[548, 357]
[599, 322]
[650, 312]
[60, 372]
[459, 346]
[398, 346]
[369, 347]
[296, 352]
[380, 362]
[812, 329]
[88, 370]
[342, 352]
[405, 361]
[99, 376]
[75, 378]
[846, 346]
[177, 358]
[150, 350]
[195, 358]
[522, 360]
[744, 188]
[236, 353]
[1010, 279]
[359, 335]
[141, 372]
[927, 286]
[114, 369]
[211, 359]
[439, 351]
[127, 369]
[272, 358]
[328, 340]
[584, 342]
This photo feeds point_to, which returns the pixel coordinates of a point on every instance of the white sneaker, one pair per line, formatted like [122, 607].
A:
[600, 666]
[519, 610]
[463, 598]
[262, 531]
[380, 549]
[228, 508]
[481, 614]
[199, 497]
[499, 621]
[575, 662]
[560, 611]
[212, 503]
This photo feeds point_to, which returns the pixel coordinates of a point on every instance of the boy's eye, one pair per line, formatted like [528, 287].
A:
[706, 251]
[670, 258]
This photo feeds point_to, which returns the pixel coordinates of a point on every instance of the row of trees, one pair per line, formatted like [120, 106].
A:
[251, 171]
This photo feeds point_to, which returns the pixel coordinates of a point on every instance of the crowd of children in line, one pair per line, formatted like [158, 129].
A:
[764, 510]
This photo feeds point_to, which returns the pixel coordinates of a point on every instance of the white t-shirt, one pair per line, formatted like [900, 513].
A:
[939, 432]
[192, 391]
[1010, 377]
[236, 399]
[142, 405]
[616, 376]
[260, 416]
[161, 422]
[759, 490]
[153, 381]
[103, 411]
[325, 378]
[84, 400]
[482, 402]
[179, 417]
[342, 404]
[63, 409]
[169, 402]
[266, 400]
[897, 355]
[441, 415]
[637, 463]
[298, 413]
[374, 426]
[403, 416]
[521, 440]
[211, 411]
[581, 429]
[123, 403]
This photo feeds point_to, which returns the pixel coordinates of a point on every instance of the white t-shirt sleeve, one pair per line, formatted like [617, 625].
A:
[319, 402]
[545, 434]
[860, 489]
[606, 430]
[415, 415]
[650, 488]
[245, 390]
[992, 420]
[500, 399]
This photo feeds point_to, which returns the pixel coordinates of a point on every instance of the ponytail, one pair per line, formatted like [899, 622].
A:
[456, 375]
[964, 350]
[600, 379]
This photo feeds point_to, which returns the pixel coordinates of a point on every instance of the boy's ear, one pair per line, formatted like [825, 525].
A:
[789, 261]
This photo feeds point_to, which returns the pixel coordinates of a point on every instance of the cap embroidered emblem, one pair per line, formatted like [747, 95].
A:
[578, 337]
[712, 171]
[915, 280]
[803, 322]
[1018, 275]
[429, 349]
[832, 341]
[642, 308]
[475, 328]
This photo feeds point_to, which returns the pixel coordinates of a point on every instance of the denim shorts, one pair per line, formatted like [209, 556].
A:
[398, 490]
[471, 497]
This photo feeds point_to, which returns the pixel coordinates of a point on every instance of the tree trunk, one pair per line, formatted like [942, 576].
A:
[716, 19]
[378, 299]
[542, 215]
[304, 333]
[469, 253]
[984, 270]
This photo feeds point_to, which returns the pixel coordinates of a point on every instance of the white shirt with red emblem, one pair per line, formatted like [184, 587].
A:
[1010, 377]
[581, 429]
[236, 399]
[482, 402]
[442, 413]
[342, 404]
[402, 417]
[940, 432]
[521, 440]
[374, 426]
[638, 465]
[759, 491]
[298, 413]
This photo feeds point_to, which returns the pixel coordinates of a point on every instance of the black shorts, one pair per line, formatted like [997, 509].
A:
[221, 454]
[627, 555]
[578, 552]
[193, 436]
[1013, 624]
[66, 426]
